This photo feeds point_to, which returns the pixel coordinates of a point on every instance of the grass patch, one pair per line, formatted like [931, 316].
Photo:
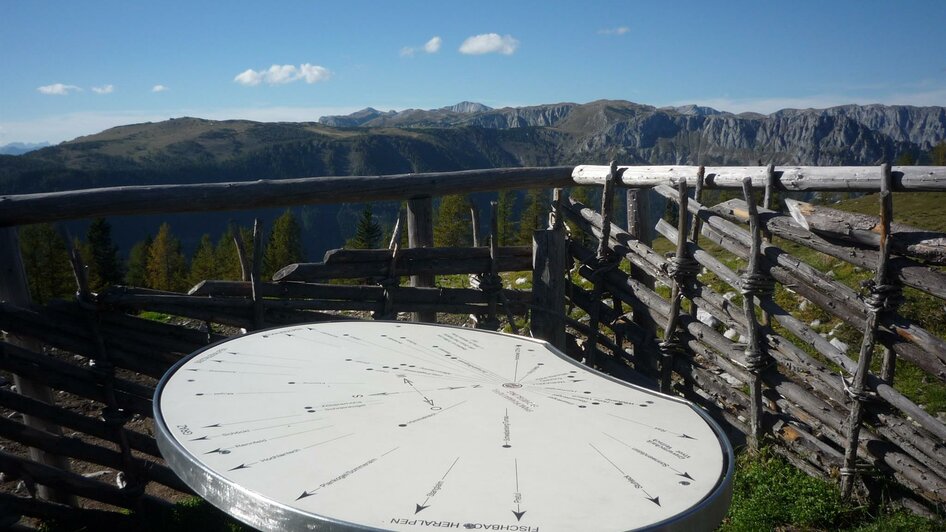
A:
[770, 494]
[156, 316]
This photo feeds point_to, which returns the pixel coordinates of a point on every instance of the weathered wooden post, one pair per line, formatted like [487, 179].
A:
[696, 224]
[638, 226]
[754, 285]
[604, 259]
[15, 289]
[883, 297]
[681, 268]
[420, 234]
[549, 270]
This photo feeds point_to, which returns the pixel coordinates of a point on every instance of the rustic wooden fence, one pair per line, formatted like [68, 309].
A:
[633, 315]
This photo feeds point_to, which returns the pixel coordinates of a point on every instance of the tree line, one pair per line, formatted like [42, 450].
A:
[158, 261]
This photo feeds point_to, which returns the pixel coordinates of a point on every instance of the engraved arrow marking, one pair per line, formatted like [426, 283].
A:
[435, 489]
[515, 374]
[658, 429]
[426, 399]
[343, 476]
[218, 425]
[246, 465]
[518, 512]
[683, 474]
[630, 479]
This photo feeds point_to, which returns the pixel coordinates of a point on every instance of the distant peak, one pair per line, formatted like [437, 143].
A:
[468, 108]
[694, 110]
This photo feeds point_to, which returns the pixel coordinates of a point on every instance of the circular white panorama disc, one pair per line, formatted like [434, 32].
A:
[406, 426]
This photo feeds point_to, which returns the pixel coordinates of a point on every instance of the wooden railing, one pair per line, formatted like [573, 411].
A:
[780, 384]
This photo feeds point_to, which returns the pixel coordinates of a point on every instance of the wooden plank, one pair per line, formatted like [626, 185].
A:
[864, 229]
[77, 484]
[793, 178]
[474, 260]
[845, 300]
[349, 256]
[203, 197]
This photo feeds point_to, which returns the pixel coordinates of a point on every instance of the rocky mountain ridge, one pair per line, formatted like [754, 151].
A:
[470, 135]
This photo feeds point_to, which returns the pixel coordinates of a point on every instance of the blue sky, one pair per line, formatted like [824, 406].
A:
[75, 68]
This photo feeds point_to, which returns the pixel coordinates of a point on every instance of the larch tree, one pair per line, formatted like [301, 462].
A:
[46, 261]
[453, 227]
[137, 273]
[284, 246]
[204, 263]
[167, 268]
[226, 257]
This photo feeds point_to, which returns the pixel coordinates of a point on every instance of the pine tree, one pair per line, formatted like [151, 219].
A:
[204, 263]
[367, 232]
[137, 274]
[167, 269]
[284, 246]
[505, 225]
[105, 268]
[453, 227]
[46, 261]
[534, 216]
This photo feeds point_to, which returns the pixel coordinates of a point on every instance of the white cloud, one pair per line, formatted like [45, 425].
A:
[489, 43]
[58, 89]
[282, 74]
[249, 77]
[620, 30]
[313, 73]
[159, 88]
[104, 89]
[431, 47]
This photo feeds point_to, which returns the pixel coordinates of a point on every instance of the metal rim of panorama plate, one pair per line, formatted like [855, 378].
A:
[260, 511]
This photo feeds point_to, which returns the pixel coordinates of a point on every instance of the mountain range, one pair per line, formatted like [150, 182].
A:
[471, 135]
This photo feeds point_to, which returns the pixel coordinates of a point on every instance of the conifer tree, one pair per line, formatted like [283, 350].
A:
[453, 227]
[506, 226]
[938, 154]
[101, 256]
[137, 273]
[167, 268]
[284, 246]
[46, 261]
[534, 216]
[226, 257]
[367, 232]
[204, 263]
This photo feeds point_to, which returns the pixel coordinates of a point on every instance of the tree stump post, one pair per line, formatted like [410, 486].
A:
[549, 270]
[420, 234]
